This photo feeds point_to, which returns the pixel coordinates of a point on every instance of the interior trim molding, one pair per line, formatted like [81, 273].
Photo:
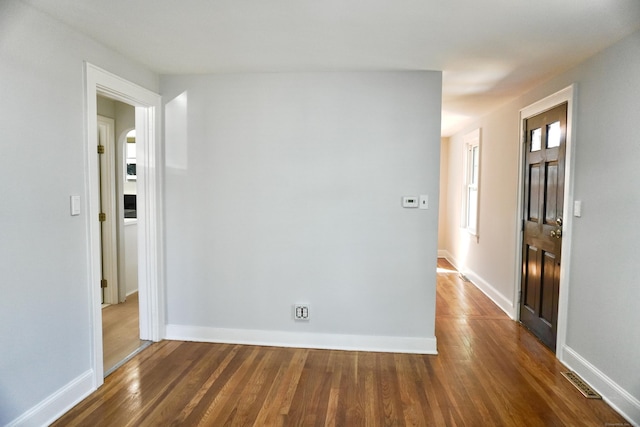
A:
[150, 201]
[384, 344]
[568, 95]
[617, 397]
[54, 406]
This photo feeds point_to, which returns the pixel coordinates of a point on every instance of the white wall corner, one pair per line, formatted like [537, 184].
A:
[57, 404]
[617, 397]
[387, 344]
[443, 253]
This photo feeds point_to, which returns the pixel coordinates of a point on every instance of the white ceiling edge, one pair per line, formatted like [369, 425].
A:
[489, 53]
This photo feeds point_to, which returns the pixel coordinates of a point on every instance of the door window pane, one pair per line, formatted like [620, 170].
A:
[536, 139]
[553, 135]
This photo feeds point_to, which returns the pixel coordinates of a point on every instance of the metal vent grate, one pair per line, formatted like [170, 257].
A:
[582, 386]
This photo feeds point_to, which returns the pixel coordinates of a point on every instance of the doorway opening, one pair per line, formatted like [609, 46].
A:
[118, 233]
[149, 234]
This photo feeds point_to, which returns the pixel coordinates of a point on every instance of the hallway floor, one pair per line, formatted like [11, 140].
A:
[120, 331]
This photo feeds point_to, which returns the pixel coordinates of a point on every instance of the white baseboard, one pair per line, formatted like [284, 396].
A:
[500, 300]
[56, 405]
[443, 253]
[303, 340]
[621, 400]
[495, 296]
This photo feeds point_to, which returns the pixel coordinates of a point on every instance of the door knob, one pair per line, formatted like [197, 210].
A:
[559, 221]
[556, 233]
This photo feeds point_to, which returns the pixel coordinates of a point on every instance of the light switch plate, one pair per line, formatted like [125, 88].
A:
[577, 208]
[75, 205]
[424, 201]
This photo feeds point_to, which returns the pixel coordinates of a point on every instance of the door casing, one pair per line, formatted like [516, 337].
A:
[565, 95]
[151, 277]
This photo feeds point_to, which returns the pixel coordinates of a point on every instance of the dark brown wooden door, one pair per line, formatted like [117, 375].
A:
[545, 137]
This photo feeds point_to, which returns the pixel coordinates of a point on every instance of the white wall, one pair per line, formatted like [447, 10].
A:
[286, 188]
[131, 256]
[443, 219]
[106, 107]
[44, 308]
[603, 333]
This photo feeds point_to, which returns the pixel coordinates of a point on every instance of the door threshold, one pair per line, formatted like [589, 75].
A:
[143, 345]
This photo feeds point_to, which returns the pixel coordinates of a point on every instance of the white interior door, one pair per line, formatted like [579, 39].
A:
[108, 211]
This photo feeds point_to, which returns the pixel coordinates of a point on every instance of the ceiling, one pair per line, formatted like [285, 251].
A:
[489, 50]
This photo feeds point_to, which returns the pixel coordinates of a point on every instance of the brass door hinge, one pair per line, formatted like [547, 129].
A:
[100, 149]
[102, 217]
[103, 283]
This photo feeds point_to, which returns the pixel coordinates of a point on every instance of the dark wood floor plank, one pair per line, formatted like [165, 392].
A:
[489, 372]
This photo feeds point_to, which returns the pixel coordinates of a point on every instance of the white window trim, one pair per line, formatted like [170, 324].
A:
[471, 140]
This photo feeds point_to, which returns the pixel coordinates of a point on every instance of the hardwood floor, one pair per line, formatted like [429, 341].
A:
[489, 372]
[120, 331]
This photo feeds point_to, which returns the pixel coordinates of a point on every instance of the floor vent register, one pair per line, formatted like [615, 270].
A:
[582, 386]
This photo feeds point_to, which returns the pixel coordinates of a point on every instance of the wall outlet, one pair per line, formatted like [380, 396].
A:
[301, 312]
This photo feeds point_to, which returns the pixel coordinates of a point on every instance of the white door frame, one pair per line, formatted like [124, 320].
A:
[565, 95]
[149, 204]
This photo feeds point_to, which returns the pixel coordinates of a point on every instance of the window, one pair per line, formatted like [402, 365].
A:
[471, 182]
